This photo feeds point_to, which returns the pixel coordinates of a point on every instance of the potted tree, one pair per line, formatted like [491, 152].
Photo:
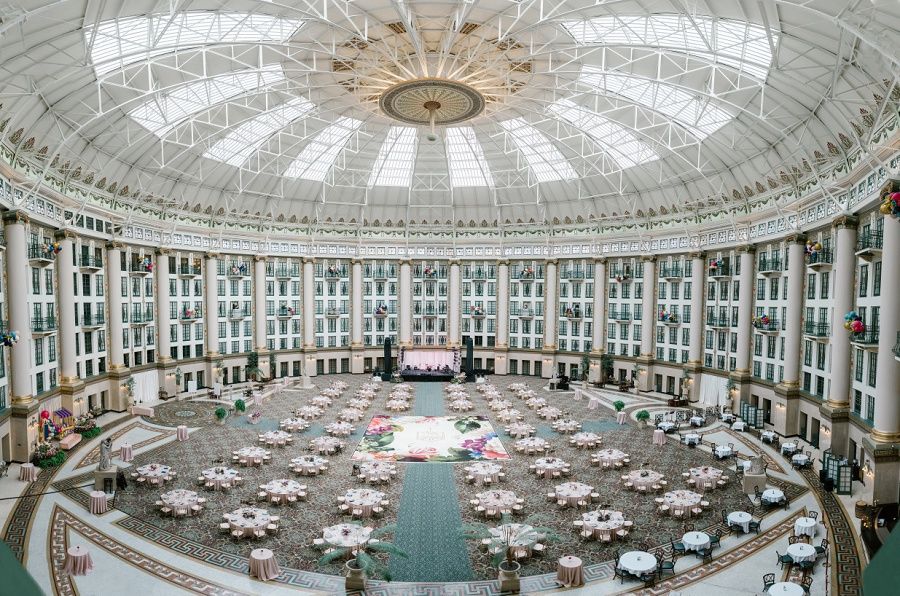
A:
[585, 368]
[221, 413]
[240, 406]
[642, 416]
[619, 405]
[363, 565]
[253, 371]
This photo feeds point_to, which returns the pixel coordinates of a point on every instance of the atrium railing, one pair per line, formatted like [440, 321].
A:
[815, 329]
[868, 338]
[871, 240]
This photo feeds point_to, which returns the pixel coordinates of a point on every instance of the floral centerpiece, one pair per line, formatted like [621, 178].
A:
[667, 317]
[760, 322]
[890, 204]
[10, 338]
[854, 323]
[48, 456]
[87, 427]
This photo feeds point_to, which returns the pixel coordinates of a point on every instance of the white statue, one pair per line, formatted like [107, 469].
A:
[105, 454]
[757, 465]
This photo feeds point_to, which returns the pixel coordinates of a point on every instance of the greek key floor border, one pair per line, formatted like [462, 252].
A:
[93, 456]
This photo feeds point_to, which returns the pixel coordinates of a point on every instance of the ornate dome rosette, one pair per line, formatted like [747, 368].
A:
[431, 101]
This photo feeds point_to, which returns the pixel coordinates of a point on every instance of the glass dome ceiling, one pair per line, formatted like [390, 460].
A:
[269, 111]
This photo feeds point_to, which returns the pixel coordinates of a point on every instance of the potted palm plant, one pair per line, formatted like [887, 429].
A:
[221, 413]
[361, 564]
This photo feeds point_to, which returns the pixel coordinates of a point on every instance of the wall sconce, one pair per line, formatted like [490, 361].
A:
[779, 406]
[826, 429]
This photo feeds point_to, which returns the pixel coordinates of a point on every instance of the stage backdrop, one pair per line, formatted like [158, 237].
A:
[422, 359]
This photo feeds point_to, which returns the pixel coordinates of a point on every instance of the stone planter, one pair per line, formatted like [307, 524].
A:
[509, 576]
[356, 577]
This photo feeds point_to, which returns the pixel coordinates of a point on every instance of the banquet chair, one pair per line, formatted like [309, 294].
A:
[768, 581]
[784, 559]
[272, 528]
[665, 566]
[224, 527]
[622, 534]
[806, 583]
[237, 534]
[165, 510]
[201, 480]
[259, 533]
[754, 525]
[678, 548]
[195, 509]
[793, 539]
[806, 566]
[822, 548]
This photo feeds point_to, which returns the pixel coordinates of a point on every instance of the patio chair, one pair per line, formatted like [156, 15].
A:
[806, 583]
[665, 567]
[784, 559]
[754, 525]
[822, 548]
[678, 548]
[768, 581]
[813, 515]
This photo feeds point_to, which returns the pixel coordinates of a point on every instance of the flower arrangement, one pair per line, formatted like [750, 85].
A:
[890, 204]
[527, 272]
[48, 456]
[477, 311]
[333, 270]
[255, 416]
[190, 313]
[52, 248]
[667, 317]
[10, 338]
[381, 309]
[762, 321]
[812, 248]
[854, 323]
[87, 427]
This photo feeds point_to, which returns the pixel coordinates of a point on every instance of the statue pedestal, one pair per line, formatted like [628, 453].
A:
[754, 480]
[105, 480]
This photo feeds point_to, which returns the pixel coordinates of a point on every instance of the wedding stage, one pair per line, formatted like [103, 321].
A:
[428, 365]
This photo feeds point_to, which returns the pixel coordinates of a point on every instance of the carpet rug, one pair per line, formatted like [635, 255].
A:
[445, 439]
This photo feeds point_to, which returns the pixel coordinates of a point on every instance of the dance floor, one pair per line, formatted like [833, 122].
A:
[430, 439]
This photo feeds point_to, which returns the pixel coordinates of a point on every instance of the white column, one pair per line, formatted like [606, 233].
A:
[115, 349]
[163, 302]
[598, 337]
[259, 305]
[747, 255]
[502, 337]
[17, 272]
[65, 282]
[648, 306]
[842, 283]
[211, 310]
[794, 324]
[309, 306]
[887, 404]
[405, 303]
[356, 304]
[551, 304]
[698, 312]
[454, 306]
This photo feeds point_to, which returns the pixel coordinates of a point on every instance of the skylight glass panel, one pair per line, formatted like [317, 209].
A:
[162, 113]
[737, 44]
[396, 158]
[242, 142]
[545, 160]
[700, 116]
[318, 156]
[468, 166]
[116, 43]
[619, 142]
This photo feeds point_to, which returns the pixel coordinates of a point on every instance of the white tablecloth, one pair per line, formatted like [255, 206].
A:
[573, 492]
[520, 429]
[532, 445]
[154, 471]
[801, 552]
[691, 439]
[805, 526]
[723, 451]
[326, 445]
[377, 471]
[637, 562]
[697, 420]
[695, 540]
[800, 459]
[180, 499]
[283, 488]
[772, 495]
[497, 500]
[788, 447]
[739, 425]
[346, 535]
[549, 466]
[339, 429]
[585, 439]
[609, 456]
[740, 518]
[252, 455]
[308, 464]
[665, 425]
[566, 426]
[294, 424]
[786, 589]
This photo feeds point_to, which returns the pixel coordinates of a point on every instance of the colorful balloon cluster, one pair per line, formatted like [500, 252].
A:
[665, 315]
[10, 338]
[762, 321]
[53, 247]
[853, 322]
[714, 264]
[890, 204]
[147, 264]
[812, 247]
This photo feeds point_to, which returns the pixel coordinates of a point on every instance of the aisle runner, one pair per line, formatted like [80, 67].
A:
[428, 522]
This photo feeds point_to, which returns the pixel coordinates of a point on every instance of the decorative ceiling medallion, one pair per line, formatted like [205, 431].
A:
[417, 101]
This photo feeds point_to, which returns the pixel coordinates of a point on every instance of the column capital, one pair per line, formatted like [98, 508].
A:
[748, 248]
[212, 255]
[115, 245]
[405, 261]
[164, 252]
[308, 259]
[258, 258]
[65, 234]
[795, 238]
[16, 216]
[551, 261]
[453, 261]
[357, 261]
[648, 258]
[503, 261]
[845, 220]
[697, 254]
[601, 260]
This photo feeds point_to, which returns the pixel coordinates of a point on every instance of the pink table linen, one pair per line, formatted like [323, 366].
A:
[573, 492]
[252, 455]
[309, 465]
[182, 433]
[28, 473]
[219, 476]
[659, 437]
[682, 500]
[484, 470]
[377, 471]
[585, 440]
[125, 453]
[78, 561]
[570, 571]
[263, 564]
[98, 503]
[609, 457]
[643, 478]
[363, 499]
[248, 519]
[620, 417]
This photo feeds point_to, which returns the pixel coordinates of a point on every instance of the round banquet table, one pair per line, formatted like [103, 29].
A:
[665, 426]
[263, 564]
[78, 561]
[801, 459]
[364, 499]
[180, 500]
[566, 426]
[98, 502]
[609, 457]
[351, 414]
[637, 562]
[532, 445]
[697, 420]
[309, 412]
[125, 453]
[182, 433]
[275, 437]
[154, 471]
[659, 437]
[294, 424]
[549, 466]
[805, 526]
[520, 430]
[695, 540]
[326, 445]
[585, 439]
[320, 401]
[550, 413]
[497, 500]
[484, 470]
[740, 518]
[252, 455]
[788, 447]
[620, 416]
[603, 521]
[377, 471]
[573, 492]
[283, 488]
[786, 589]
[800, 552]
[309, 464]
[461, 405]
[723, 451]
[704, 475]
[510, 415]
[28, 472]
[339, 429]
[358, 404]
[691, 439]
[521, 537]
[683, 500]
[500, 404]
[536, 402]
[647, 480]
[346, 535]
[257, 519]
[570, 571]
[219, 476]
[397, 405]
[772, 495]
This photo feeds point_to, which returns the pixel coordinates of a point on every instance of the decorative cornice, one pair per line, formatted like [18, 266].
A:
[795, 238]
[746, 248]
[16, 216]
[845, 220]
[648, 258]
[115, 245]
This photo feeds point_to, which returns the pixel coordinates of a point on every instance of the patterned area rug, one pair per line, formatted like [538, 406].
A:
[189, 413]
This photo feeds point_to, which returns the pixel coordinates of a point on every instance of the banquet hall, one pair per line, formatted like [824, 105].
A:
[427, 297]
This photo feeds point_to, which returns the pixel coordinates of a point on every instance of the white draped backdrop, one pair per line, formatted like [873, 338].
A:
[425, 358]
[713, 390]
[146, 386]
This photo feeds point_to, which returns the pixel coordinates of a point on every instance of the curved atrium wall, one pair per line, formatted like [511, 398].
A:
[754, 311]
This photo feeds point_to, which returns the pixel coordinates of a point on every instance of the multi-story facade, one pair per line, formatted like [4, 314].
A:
[625, 314]
[479, 303]
[576, 310]
[430, 305]
[284, 302]
[380, 304]
[90, 306]
[674, 309]
[723, 287]
[770, 311]
[332, 292]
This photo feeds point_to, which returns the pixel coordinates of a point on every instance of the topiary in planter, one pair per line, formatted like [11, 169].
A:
[91, 432]
[642, 416]
[221, 413]
[619, 405]
[240, 405]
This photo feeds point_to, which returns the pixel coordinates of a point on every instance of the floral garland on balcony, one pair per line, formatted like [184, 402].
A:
[715, 264]
[52, 248]
[890, 204]
[666, 317]
[527, 272]
[190, 313]
[854, 323]
[10, 338]
[146, 264]
[477, 311]
[760, 322]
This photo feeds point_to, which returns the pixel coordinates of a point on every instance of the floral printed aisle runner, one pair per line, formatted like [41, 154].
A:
[429, 439]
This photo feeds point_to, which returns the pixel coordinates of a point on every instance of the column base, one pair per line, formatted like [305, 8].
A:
[786, 416]
[838, 438]
[23, 435]
[741, 391]
[357, 363]
[882, 468]
[642, 380]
